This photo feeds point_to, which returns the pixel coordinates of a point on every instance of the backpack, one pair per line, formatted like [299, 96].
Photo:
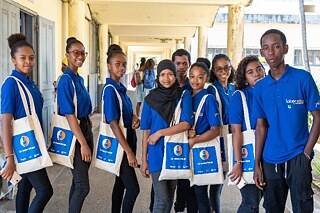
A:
[149, 79]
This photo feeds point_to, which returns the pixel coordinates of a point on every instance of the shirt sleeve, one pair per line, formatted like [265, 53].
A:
[236, 109]
[111, 105]
[145, 123]
[311, 94]
[212, 111]
[211, 90]
[186, 108]
[65, 93]
[257, 105]
[9, 92]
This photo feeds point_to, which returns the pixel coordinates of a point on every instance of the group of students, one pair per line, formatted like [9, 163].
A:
[278, 106]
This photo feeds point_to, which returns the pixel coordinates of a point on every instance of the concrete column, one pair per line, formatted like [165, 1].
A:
[115, 39]
[103, 47]
[235, 33]
[77, 20]
[179, 44]
[202, 41]
[187, 44]
[65, 25]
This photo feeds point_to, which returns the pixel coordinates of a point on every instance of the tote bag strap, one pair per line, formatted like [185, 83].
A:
[219, 103]
[23, 97]
[203, 100]
[245, 109]
[120, 103]
[74, 98]
[177, 112]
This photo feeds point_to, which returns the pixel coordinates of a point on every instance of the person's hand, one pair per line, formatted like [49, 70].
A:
[153, 139]
[145, 169]
[236, 173]
[258, 177]
[191, 142]
[135, 122]
[191, 133]
[85, 152]
[9, 169]
[132, 159]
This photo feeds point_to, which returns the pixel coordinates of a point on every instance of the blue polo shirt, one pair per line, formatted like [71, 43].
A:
[112, 106]
[151, 120]
[209, 115]
[236, 115]
[187, 86]
[11, 101]
[65, 92]
[225, 96]
[285, 103]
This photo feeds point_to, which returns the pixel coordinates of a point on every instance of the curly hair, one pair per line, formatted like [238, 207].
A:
[214, 61]
[240, 75]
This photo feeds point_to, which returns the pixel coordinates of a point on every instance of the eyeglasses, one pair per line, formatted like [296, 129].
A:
[220, 69]
[77, 53]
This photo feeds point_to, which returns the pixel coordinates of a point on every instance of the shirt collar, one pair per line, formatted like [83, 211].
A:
[120, 87]
[71, 73]
[21, 77]
[249, 89]
[201, 93]
[284, 78]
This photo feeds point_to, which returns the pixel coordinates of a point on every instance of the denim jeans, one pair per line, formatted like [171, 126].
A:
[40, 182]
[215, 194]
[126, 180]
[202, 198]
[251, 197]
[295, 175]
[80, 182]
[164, 193]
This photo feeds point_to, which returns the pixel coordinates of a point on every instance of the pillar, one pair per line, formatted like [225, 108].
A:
[187, 44]
[179, 44]
[115, 39]
[65, 25]
[202, 41]
[103, 47]
[77, 20]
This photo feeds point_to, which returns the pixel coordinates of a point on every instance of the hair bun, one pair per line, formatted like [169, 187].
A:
[114, 48]
[70, 39]
[14, 38]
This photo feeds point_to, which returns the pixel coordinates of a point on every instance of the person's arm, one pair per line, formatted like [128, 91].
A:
[260, 133]
[180, 127]
[120, 137]
[237, 142]
[75, 128]
[135, 122]
[7, 133]
[137, 77]
[314, 133]
[206, 136]
[144, 166]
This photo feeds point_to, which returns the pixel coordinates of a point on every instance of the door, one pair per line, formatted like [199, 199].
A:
[46, 69]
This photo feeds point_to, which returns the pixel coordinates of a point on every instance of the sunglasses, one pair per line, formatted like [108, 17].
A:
[77, 53]
[220, 69]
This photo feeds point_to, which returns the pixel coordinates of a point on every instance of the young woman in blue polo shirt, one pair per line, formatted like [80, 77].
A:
[208, 124]
[221, 77]
[157, 113]
[249, 71]
[127, 180]
[75, 52]
[23, 58]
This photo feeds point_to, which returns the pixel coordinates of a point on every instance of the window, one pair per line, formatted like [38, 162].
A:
[314, 57]
[248, 51]
[214, 51]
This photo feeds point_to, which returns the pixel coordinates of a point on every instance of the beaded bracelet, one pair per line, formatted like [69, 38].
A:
[10, 155]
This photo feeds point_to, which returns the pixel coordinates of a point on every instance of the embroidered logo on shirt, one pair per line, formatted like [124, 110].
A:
[292, 101]
[317, 104]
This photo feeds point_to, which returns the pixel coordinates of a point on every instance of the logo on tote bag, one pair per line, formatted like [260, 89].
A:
[177, 156]
[107, 149]
[26, 147]
[61, 141]
[247, 158]
[205, 160]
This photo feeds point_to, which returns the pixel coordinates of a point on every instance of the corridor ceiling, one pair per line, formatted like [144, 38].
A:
[156, 21]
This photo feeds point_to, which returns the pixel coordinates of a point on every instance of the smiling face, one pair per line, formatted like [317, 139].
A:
[24, 60]
[198, 78]
[76, 56]
[117, 66]
[167, 78]
[222, 70]
[254, 72]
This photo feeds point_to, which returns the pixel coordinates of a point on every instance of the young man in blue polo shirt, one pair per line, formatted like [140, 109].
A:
[283, 143]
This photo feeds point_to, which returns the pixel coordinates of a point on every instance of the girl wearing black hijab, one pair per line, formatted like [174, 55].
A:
[157, 114]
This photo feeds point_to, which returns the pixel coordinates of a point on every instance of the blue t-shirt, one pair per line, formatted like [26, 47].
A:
[112, 106]
[65, 92]
[225, 96]
[11, 101]
[151, 120]
[285, 103]
[187, 86]
[209, 115]
[236, 115]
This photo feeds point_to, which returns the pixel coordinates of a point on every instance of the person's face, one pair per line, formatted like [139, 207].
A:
[197, 78]
[273, 50]
[254, 72]
[167, 78]
[76, 55]
[222, 69]
[182, 65]
[24, 60]
[117, 66]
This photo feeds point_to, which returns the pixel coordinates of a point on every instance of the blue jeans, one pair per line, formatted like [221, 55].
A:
[202, 198]
[126, 180]
[251, 197]
[215, 194]
[40, 182]
[80, 182]
[164, 193]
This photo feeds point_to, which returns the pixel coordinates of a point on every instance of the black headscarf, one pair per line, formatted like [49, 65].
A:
[161, 99]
